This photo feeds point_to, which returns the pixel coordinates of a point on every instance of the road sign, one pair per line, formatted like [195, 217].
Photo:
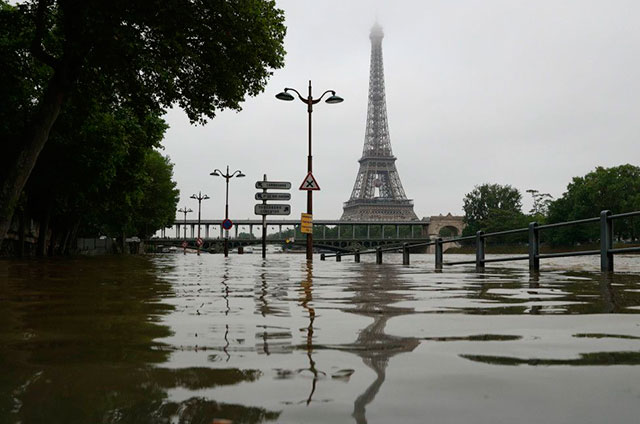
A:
[227, 224]
[199, 241]
[309, 183]
[185, 244]
[273, 196]
[274, 209]
[273, 185]
[306, 223]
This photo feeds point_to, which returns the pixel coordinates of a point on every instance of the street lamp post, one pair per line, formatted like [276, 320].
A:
[185, 211]
[309, 101]
[200, 197]
[227, 177]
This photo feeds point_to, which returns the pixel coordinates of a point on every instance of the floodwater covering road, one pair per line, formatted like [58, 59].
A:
[194, 339]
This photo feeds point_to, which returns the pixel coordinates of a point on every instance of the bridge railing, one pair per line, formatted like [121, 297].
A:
[606, 251]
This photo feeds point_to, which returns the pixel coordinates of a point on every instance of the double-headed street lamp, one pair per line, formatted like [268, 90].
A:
[227, 176]
[309, 101]
[185, 211]
[200, 197]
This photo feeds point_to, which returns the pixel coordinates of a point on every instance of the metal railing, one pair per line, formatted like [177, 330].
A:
[606, 250]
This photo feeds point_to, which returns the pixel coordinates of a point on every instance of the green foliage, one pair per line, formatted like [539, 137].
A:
[616, 189]
[204, 56]
[92, 65]
[541, 203]
[492, 207]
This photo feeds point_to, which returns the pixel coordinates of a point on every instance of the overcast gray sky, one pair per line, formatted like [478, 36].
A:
[527, 93]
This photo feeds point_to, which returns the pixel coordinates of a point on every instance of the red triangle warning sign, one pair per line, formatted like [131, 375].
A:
[309, 183]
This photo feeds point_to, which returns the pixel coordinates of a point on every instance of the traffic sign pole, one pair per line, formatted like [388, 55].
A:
[265, 209]
[264, 222]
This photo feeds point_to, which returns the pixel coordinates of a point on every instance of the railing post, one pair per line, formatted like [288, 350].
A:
[322, 256]
[356, 256]
[439, 253]
[338, 257]
[480, 245]
[405, 254]
[378, 255]
[606, 241]
[534, 247]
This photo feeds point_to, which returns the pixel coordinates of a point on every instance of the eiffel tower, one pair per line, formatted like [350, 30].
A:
[377, 193]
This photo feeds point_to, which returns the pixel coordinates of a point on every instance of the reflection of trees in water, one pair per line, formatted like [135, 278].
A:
[376, 290]
[80, 345]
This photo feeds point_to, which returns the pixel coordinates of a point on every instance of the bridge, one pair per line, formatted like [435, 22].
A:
[333, 235]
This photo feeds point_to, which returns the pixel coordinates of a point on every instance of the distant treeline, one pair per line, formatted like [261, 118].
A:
[495, 207]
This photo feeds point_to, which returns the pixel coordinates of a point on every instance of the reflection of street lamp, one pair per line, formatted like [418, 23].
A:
[200, 197]
[227, 176]
[309, 101]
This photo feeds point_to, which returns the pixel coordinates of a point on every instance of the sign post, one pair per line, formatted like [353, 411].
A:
[264, 219]
[265, 209]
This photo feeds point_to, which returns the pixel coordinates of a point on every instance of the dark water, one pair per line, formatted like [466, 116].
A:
[188, 339]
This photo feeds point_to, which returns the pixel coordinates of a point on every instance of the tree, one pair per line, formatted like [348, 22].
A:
[149, 55]
[482, 205]
[541, 202]
[157, 206]
[91, 173]
[616, 189]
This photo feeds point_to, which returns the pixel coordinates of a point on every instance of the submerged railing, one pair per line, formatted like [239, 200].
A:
[606, 250]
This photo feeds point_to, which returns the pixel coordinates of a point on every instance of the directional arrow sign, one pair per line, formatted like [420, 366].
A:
[273, 196]
[275, 209]
[273, 185]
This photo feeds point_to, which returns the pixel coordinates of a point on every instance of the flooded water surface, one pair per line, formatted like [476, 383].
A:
[203, 339]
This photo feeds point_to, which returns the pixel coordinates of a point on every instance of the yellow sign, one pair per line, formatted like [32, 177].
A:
[306, 223]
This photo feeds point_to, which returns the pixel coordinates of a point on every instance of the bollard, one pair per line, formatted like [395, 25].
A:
[606, 242]
[480, 245]
[356, 256]
[534, 247]
[439, 253]
[405, 254]
[378, 255]
[322, 256]
[338, 257]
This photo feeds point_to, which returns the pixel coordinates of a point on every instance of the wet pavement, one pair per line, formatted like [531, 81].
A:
[192, 339]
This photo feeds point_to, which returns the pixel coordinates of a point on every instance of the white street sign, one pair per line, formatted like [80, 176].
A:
[274, 209]
[273, 185]
[273, 196]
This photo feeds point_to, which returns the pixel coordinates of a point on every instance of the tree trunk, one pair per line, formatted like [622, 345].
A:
[21, 235]
[63, 241]
[55, 235]
[41, 248]
[73, 239]
[33, 141]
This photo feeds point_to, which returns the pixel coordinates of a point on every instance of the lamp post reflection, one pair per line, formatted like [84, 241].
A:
[306, 299]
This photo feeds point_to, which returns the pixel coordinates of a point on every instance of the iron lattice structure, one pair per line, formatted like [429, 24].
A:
[377, 193]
